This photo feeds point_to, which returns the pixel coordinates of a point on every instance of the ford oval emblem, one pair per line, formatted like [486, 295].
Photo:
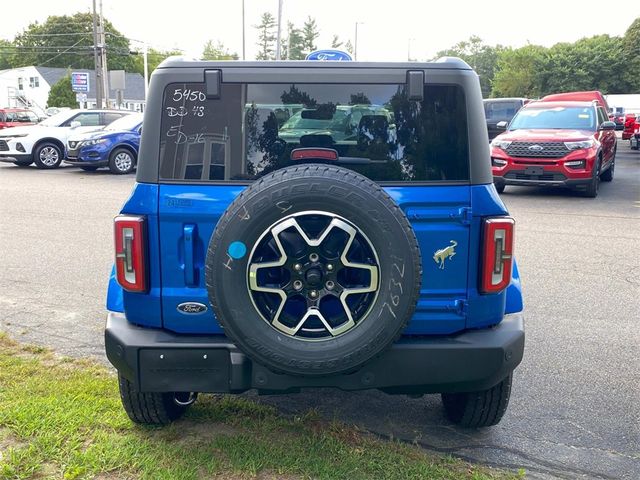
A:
[536, 148]
[192, 307]
[332, 55]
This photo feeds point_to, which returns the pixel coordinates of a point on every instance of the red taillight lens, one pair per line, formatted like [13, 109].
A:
[131, 252]
[314, 154]
[497, 254]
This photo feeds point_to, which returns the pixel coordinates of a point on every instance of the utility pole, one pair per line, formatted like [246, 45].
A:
[146, 70]
[355, 43]
[97, 59]
[243, 35]
[103, 54]
[278, 39]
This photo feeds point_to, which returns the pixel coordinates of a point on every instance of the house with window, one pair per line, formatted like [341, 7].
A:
[29, 87]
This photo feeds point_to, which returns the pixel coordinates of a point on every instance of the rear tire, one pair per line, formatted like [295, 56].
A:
[150, 408]
[478, 409]
[500, 187]
[23, 163]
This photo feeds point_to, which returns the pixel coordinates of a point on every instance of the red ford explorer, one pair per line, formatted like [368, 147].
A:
[556, 143]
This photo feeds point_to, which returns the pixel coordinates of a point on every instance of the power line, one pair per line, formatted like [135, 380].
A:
[56, 56]
[56, 34]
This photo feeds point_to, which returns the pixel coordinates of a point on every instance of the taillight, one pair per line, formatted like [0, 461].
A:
[131, 252]
[497, 254]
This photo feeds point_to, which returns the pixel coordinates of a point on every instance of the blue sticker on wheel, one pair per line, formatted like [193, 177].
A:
[237, 250]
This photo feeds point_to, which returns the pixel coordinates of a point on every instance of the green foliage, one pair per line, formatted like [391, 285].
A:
[482, 58]
[336, 42]
[217, 51]
[154, 58]
[67, 41]
[295, 43]
[631, 52]
[632, 39]
[266, 37]
[6, 49]
[594, 63]
[517, 72]
[349, 47]
[61, 94]
[309, 34]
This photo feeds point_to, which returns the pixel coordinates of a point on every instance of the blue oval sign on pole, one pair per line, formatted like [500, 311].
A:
[329, 55]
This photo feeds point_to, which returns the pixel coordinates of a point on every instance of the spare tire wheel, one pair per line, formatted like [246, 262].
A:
[313, 270]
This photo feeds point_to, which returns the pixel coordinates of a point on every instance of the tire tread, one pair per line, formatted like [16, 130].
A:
[149, 408]
[343, 176]
[478, 409]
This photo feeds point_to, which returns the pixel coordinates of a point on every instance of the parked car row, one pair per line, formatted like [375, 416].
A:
[89, 139]
[560, 140]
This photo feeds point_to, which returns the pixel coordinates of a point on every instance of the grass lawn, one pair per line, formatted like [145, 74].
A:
[62, 418]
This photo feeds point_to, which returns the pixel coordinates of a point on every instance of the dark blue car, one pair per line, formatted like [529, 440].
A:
[116, 146]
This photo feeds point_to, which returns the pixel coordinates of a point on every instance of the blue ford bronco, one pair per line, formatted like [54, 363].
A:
[314, 224]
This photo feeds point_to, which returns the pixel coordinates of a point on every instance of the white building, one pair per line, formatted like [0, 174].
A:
[29, 87]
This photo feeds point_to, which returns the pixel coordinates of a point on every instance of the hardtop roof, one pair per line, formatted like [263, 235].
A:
[440, 64]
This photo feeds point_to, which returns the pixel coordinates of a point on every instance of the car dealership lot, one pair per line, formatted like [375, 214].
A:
[575, 407]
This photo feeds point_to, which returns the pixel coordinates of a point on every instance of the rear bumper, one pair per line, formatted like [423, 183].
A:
[161, 361]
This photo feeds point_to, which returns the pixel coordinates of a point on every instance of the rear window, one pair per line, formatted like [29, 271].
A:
[252, 130]
[500, 111]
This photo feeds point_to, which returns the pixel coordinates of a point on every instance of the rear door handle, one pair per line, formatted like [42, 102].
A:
[189, 252]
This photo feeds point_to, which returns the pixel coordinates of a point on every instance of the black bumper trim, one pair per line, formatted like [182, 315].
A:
[10, 158]
[89, 163]
[159, 360]
[571, 183]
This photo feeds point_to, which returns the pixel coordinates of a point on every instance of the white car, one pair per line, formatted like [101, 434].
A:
[45, 143]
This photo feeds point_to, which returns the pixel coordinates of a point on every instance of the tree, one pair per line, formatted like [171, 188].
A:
[631, 37]
[61, 94]
[217, 51]
[309, 34]
[336, 42]
[295, 43]
[594, 63]
[481, 57]
[266, 37]
[349, 47]
[67, 41]
[6, 51]
[631, 52]
[518, 72]
[154, 58]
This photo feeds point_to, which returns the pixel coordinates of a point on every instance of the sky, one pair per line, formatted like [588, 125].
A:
[387, 31]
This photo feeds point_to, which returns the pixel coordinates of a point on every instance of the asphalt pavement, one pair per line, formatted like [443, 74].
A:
[575, 406]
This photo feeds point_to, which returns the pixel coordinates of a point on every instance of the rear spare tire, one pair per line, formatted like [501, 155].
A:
[313, 270]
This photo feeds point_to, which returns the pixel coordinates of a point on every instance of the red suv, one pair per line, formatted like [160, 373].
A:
[556, 143]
